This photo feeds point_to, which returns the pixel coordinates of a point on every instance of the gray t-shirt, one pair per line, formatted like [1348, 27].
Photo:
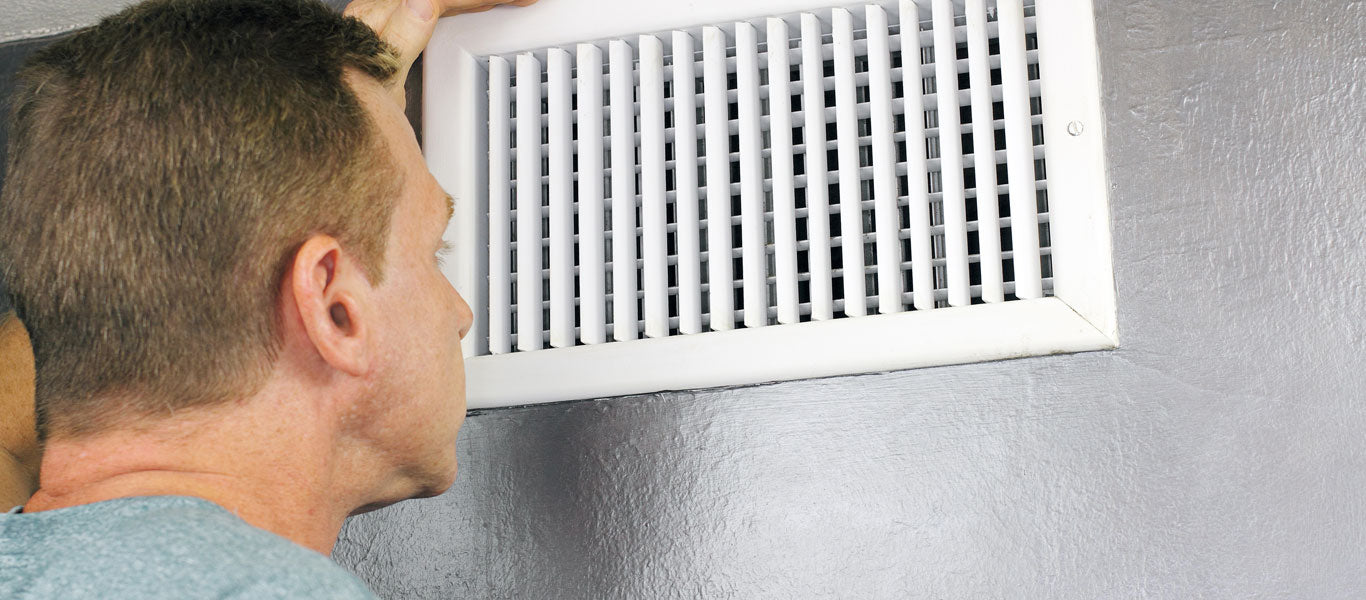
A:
[158, 547]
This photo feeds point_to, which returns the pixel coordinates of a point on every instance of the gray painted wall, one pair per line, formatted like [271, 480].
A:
[23, 19]
[1218, 453]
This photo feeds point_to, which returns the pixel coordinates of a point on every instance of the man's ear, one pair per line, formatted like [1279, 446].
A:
[331, 295]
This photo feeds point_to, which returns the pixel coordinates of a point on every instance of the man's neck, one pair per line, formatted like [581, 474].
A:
[272, 464]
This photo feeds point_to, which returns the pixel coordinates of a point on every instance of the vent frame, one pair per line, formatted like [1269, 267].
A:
[1079, 316]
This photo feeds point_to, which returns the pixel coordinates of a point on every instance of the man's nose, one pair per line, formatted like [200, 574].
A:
[464, 316]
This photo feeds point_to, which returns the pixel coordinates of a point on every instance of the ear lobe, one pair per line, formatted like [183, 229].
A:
[330, 293]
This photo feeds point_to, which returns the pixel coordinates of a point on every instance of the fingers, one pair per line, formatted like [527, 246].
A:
[406, 25]
[466, 11]
[461, 7]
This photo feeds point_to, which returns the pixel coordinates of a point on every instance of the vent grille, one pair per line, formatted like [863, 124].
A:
[813, 166]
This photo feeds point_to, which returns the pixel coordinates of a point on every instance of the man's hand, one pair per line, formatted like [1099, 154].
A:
[19, 451]
[408, 24]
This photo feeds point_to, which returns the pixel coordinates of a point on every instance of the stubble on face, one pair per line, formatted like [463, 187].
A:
[418, 404]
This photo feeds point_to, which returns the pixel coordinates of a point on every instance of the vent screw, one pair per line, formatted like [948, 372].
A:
[1075, 128]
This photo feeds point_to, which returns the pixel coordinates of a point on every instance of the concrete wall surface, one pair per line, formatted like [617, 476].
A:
[1220, 452]
[22, 19]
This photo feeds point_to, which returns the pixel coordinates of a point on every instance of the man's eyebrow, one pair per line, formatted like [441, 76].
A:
[450, 207]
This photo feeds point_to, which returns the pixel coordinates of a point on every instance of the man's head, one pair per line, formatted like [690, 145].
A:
[169, 168]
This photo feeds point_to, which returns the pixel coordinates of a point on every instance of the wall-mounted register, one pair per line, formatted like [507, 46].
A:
[675, 195]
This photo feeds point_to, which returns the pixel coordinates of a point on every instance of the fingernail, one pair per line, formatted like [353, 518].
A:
[421, 8]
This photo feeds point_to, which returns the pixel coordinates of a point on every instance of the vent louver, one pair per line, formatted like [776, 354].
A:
[756, 186]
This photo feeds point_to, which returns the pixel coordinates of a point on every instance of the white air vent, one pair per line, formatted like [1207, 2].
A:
[789, 191]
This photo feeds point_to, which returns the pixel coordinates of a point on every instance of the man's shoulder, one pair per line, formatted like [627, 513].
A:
[154, 547]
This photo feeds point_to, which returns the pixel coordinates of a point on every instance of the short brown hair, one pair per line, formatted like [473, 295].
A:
[164, 167]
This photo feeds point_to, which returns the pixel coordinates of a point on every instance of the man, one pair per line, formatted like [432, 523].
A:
[18, 440]
[221, 237]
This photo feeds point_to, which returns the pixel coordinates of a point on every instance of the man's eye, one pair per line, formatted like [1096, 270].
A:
[443, 252]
